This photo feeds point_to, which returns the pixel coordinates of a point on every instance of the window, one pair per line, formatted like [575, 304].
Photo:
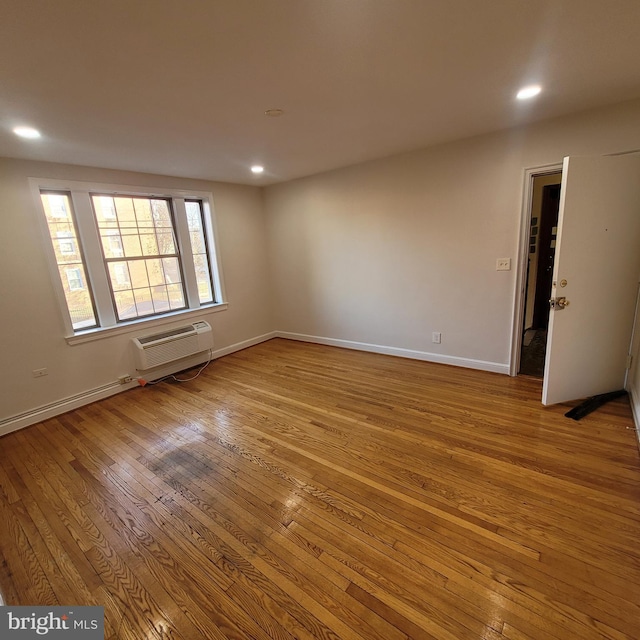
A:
[115, 245]
[121, 274]
[58, 205]
[124, 256]
[142, 231]
[74, 278]
[65, 242]
[195, 219]
[71, 268]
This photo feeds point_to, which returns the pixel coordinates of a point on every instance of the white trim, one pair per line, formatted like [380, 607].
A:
[468, 363]
[245, 344]
[143, 323]
[634, 401]
[109, 188]
[33, 416]
[61, 406]
[523, 256]
[183, 238]
[90, 245]
[211, 231]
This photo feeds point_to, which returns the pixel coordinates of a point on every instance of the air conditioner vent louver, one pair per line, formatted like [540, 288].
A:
[166, 334]
[160, 348]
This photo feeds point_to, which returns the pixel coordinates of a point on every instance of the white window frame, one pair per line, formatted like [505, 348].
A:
[89, 239]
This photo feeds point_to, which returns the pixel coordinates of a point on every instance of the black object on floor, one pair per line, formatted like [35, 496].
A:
[591, 404]
[534, 347]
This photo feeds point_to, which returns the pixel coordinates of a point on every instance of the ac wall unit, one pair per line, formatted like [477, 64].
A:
[158, 349]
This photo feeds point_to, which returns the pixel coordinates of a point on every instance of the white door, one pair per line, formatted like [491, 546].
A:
[597, 267]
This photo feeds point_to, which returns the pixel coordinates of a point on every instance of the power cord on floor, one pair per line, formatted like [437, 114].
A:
[143, 383]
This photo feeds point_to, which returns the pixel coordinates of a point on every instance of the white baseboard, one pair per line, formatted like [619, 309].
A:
[468, 363]
[53, 409]
[61, 406]
[245, 344]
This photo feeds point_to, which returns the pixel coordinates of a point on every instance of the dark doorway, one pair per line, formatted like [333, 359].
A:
[546, 254]
[542, 247]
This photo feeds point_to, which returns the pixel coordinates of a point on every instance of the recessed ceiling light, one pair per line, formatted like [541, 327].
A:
[273, 113]
[257, 168]
[27, 132]
[528, 92]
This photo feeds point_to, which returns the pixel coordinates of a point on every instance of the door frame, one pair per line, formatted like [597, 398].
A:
[522, 261]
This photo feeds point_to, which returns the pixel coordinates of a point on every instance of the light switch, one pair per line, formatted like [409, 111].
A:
[503, 264]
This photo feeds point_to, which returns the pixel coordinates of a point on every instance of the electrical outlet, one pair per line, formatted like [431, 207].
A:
[503, 264]
[125, 379]
[436, 337]
[38, 373]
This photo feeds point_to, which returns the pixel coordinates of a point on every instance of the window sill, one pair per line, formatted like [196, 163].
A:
[135, 326]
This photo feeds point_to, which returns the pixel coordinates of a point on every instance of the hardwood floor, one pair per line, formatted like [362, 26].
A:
[301, 491]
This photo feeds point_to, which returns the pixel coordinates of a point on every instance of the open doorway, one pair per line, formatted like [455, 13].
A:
[543, 228]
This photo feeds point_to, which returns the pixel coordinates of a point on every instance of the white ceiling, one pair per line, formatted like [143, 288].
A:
[180, 87]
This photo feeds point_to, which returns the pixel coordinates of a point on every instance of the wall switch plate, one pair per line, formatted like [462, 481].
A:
[436, 337]
[503, 264]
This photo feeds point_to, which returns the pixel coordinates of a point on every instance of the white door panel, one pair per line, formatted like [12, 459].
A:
[598, 255]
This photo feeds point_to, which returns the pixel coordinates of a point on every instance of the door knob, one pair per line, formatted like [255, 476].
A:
[558, 303]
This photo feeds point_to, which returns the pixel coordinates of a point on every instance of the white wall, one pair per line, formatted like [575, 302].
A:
[31, 330]
[387, 252]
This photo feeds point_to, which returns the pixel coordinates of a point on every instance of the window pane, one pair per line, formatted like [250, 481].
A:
[125, 305]
[203, 278]
[171, 270]
[149, 244]
[144, 305]
[119, 276]
[138, 271]
[176, 296]
[155, 272]
[197, 243]
[166, 243]
[125, 212]
[105, 210]
[160, 297]
[111, 243]
[115, 247]
[143, 213]
[199, 249]
[66, 243]
[144, 235]
[74, 278]
[131, 244]
[161, 214]
[62, 230]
